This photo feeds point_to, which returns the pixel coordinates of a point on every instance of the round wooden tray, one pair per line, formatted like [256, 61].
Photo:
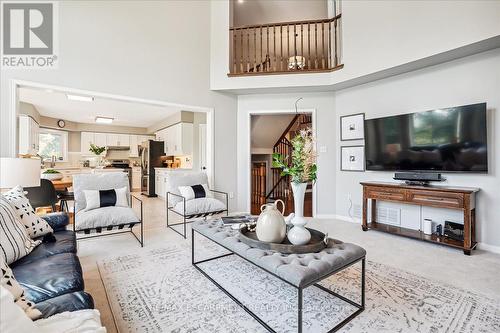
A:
[316, 243]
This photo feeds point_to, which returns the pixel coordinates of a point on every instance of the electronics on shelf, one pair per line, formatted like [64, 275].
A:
[418, 178]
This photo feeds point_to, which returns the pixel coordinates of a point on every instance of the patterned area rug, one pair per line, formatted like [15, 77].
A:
[159, 291]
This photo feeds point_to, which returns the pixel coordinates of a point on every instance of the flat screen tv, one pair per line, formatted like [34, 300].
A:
[443, 140]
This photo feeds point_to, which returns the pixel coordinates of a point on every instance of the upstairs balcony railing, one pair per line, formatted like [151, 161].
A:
[286, 47]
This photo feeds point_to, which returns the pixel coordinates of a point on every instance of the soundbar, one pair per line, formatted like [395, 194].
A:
[419, 178]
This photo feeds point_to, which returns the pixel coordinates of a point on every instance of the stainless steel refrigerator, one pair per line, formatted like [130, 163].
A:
[151, 152]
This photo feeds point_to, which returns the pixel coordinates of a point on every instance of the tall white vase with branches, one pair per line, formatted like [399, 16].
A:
[301, 170]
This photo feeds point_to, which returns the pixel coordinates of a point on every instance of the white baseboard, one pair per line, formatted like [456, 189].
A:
[338, 217]
[481, 246]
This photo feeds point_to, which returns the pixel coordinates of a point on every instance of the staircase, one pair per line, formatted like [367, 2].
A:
[281, 184]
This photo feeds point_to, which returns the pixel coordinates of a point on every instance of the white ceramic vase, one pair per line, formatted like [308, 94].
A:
[271, 226]
[298, 234]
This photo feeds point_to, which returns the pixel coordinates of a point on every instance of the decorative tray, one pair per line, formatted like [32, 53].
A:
[316, 244]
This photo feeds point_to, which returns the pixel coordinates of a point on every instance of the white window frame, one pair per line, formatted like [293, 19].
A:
[64, 135]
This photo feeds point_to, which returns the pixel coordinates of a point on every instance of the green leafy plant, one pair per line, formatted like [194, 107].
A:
[302, 167]
[96, 149]
[51, 171]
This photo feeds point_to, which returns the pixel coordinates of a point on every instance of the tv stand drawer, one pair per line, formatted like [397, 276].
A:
[435, 198]
[381, 193]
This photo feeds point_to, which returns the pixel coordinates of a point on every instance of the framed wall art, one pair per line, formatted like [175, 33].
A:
[352, 127]
[352, 158]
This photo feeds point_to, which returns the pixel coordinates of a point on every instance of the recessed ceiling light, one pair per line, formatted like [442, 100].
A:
[103, 120]
[241, 1]
[80, 98]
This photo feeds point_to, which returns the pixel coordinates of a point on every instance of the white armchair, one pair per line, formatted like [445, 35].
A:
[191, 208]
[105, 218]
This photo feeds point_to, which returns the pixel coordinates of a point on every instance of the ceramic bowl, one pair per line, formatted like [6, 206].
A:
[52, 176]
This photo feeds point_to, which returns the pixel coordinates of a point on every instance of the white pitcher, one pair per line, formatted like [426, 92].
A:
[271, 226]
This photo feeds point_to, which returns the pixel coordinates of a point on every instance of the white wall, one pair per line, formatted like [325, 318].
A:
[376, 35]
[325, 126]
[473, 79]
[469, 80]
[125, 48]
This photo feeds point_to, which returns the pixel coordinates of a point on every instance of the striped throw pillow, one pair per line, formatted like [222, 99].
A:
[14, 240]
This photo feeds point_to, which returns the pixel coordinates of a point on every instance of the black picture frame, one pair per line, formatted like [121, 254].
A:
[342, 167]
[362, 135]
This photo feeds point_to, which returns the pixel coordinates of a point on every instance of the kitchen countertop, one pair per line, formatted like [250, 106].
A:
[172, 169]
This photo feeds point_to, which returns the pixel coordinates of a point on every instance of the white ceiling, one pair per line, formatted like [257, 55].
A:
[267, 129]
[55, 104]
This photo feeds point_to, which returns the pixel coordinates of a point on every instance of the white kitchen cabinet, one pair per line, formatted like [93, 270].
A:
[134, 146]
[86, 139]
[28, 135]
[136, 178]
[123, 140]
[161, 135]
[160, 183]
[100, 139]
[157, 183]
[112, 139]
[178, 139]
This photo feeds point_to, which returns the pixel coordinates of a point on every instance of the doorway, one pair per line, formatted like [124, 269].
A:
[271, 134]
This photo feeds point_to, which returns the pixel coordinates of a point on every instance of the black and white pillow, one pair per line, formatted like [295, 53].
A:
[34, 224]
[9, 282]
[195, 191]
[14, 240]
[106, 198]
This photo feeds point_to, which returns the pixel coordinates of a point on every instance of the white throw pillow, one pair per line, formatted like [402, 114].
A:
[34, 224]
[8, 281]
[14, 240]
[195, 191]
[14, 320]
[106, 198]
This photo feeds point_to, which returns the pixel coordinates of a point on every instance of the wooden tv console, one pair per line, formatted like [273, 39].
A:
[462, 198]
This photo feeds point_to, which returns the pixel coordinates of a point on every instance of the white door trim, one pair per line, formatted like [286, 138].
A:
[14, 105]
[248, 159]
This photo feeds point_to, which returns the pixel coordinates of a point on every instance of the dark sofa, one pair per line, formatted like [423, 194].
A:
[51, 274]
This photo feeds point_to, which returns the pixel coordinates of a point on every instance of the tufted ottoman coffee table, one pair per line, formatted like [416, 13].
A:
[297, 270]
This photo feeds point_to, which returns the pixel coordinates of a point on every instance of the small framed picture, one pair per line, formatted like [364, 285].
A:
[352, 127]
[352, 158]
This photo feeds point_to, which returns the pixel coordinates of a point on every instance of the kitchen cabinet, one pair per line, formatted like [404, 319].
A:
[178, 139]
[136, 178]
[28, 135]
[100, 139]
[134, 146]
[118, 140]
[161, 135]
[160, 183]
[112, 139]
[86, 138]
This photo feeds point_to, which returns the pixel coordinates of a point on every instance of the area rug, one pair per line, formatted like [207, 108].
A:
[159, 291]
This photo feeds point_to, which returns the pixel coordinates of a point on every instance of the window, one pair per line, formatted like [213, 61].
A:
[53, 143]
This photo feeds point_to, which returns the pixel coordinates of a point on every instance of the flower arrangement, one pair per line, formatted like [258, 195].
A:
[96, 149]
[302, 168]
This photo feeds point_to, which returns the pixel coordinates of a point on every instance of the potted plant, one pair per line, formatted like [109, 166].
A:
[302, 170]
[97, 151]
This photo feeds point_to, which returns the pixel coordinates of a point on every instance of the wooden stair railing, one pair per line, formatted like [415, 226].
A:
[293, 47]
[263, 66]
[281, 184]
[258, 183]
